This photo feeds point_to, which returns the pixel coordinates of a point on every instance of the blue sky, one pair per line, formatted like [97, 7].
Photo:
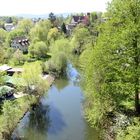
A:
[13, 7]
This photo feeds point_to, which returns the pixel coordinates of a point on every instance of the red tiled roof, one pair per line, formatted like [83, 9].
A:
[78, 18]
[81, 19]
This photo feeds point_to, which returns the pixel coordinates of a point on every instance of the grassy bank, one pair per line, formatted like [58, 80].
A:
[11, 113]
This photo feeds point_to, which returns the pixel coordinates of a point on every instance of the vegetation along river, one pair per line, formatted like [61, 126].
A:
[59, 115]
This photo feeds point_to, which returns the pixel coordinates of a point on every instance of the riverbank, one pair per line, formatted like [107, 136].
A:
[17, 108]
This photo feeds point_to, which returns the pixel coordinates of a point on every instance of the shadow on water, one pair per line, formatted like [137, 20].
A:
[34, 125]
[39, 119]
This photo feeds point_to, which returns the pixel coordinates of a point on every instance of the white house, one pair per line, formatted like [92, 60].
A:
[9, 26]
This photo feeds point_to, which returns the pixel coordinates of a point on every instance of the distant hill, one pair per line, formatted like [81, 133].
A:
[32, 16]
[43, 16]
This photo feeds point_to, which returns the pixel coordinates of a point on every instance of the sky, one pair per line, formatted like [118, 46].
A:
[14, 7]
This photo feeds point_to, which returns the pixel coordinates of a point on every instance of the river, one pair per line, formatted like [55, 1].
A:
[59, 115]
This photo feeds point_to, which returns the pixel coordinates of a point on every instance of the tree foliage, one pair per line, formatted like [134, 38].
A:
[11, 113]
[52, 17]
[3, 35]
[80, 38]
[63, 28]
[26, 25]
[13, 34]
[40, 31]
[53, 35]
[112, 69]
[60, 51]
[32, 75]
[17, 58]
[38, 50]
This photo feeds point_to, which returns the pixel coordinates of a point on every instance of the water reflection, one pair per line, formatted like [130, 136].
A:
[39, 119]
[34, 125]
[72, 73]
[58, 123]
[59, 116]
[61, 83]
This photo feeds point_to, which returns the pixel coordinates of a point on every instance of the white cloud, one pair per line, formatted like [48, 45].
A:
[12, 7]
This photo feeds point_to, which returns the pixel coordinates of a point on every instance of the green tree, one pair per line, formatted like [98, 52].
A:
[60, 52]
[3, 35]
[125, 18]
[113, 65]
[38, 50]
[18, 58]
[59, 21]
[32, 75]
[53, 35]
[25, 25]
[11, 35]
[11, 113]
[2, 54]
[112, 68]
[93, 17]
[2, 24]
[80, 38]
[40, 31]
[52, 17]
[63, 28]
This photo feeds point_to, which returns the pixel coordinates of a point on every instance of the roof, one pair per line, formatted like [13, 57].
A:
[78, 18]
[8, 24]
[14, 81]
[21, 40]
[5, 89]
[5, 67]
[15, 70]
[81, 19]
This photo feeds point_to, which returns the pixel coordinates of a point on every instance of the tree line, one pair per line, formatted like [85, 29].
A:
[111, 69]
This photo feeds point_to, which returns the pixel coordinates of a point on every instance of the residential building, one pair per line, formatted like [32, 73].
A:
[9, 70]
[4, 68]
[77, 20]
[9, 27]
[20, 43]
[80, 19]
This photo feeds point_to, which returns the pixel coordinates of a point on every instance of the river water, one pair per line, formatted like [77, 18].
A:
[59, 115]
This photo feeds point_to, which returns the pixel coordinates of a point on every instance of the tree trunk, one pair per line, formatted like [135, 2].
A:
[137, 106]
[136, 74]
[135, 14]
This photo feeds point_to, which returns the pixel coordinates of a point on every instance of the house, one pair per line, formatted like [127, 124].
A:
[9, 27]
[4, 68]
[20, 43]
[9, 70]
[6, 91]
[81, 19]
[14, 70]
[69, 28]
[77, 20]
